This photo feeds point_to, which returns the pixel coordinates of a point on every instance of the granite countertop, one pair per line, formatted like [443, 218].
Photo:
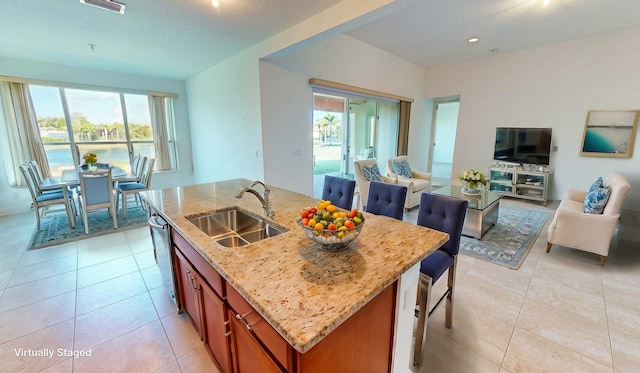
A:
[303, 292]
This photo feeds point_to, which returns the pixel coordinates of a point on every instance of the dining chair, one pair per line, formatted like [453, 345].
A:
[445, 214]
[42, 200]
[125, 189]
[97, 193]
[137, 164]
[339, 191]
[37, 171]
[386, 199]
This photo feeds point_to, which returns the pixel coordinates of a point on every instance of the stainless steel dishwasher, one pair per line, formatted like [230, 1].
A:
[162, 253]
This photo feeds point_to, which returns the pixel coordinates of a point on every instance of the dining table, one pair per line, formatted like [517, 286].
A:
[70, 179]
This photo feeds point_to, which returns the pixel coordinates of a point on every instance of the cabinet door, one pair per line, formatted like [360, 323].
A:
[500, 180]
[260, 329]
[215, 333]
[188, 289]
[248, 354]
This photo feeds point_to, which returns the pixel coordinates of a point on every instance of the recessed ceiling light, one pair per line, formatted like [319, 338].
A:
[546, 2]
[109, 5]
[215, 3]
[473, 40]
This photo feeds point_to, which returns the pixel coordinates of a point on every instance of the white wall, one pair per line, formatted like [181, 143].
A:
[551, 86]
[14, 200]
[224, 104]
[354, 63]
[288, 145]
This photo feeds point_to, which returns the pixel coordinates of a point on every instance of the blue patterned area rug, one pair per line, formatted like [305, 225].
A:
[55, 230]
[508, 242]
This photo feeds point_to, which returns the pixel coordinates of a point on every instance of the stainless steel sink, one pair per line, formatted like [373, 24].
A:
[234, 228]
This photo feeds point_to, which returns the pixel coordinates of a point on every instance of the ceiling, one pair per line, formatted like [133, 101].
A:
[162, 38]
[437, 31]
[177, 39]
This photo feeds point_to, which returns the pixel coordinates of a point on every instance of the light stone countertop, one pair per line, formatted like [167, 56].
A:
[303, 292]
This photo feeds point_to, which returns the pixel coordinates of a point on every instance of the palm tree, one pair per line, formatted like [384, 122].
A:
[329, 120]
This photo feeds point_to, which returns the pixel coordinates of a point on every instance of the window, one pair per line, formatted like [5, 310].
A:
[113, 125]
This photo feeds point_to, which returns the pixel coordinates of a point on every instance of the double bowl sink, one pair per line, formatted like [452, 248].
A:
[234, 227]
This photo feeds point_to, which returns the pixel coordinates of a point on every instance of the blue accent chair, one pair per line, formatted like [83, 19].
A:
[445, 214]
[386, 199]
[339, 191]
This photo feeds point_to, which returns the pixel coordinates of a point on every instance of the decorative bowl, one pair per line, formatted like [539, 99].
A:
[328, 239]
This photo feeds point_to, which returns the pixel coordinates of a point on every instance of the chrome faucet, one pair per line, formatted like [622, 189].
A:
[266, 203]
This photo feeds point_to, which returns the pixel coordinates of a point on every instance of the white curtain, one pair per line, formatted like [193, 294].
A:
[22, 127]
[159, 117]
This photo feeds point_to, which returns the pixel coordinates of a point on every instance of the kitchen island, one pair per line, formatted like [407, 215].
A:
[328, 311]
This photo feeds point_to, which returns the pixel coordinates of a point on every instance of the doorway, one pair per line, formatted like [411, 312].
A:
[445, 124]
[347, 128]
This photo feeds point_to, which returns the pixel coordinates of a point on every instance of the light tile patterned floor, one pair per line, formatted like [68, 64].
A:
[560, 312]
[102, 294]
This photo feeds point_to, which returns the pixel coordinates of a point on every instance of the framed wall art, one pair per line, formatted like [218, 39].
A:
[609, 133]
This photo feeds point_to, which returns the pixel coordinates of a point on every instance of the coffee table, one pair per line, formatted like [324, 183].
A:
[482, 212]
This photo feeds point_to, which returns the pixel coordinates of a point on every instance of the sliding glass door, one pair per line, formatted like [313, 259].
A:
[347, 128]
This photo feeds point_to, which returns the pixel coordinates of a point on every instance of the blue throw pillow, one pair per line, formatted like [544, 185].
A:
[597, 184]
[401, 168]
[597, 197]
[372, 173]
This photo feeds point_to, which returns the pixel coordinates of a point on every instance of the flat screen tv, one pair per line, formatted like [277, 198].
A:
[523, 145]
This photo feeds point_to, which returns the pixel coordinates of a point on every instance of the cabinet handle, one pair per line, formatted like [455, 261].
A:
[227, 322]
[192, 279]
[246, 323]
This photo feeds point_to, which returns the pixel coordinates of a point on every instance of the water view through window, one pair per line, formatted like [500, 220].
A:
[114, 126]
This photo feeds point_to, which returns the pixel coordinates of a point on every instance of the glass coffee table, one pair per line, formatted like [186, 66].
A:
[482, 212]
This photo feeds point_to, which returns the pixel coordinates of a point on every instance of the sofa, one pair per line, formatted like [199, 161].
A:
[591, 232]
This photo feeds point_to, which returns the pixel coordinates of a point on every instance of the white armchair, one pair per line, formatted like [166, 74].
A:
[418, 183]
[363, 182]
[574, 228]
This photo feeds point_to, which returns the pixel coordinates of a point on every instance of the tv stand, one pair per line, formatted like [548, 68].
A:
[527, 182]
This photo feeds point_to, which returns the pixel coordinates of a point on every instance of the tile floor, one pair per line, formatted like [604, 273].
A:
[101, 294]
[560, 312]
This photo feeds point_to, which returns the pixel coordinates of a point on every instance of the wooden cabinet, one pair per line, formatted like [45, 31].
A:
[249, 355]
[363, 343]
[240, 340]
[253, 325]
[216, 336]
[519, 183]
[203, 305]
[188, 289]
